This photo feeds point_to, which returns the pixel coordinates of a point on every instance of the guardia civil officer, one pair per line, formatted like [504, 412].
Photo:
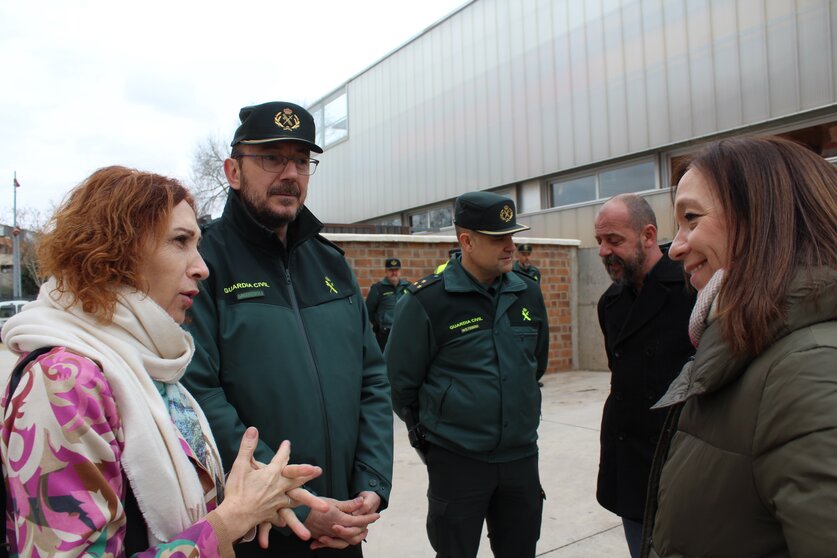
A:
[381, 299]
[283, 340]
[523, 263]
[464, 356]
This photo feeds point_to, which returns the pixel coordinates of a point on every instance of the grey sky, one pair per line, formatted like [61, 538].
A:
[92, 83]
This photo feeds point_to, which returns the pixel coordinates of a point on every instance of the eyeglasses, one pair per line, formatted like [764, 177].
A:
[306, 166]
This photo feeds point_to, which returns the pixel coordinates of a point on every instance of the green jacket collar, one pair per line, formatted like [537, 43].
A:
[457, 280]
[811, 299]
[304, 227]
[401, 283]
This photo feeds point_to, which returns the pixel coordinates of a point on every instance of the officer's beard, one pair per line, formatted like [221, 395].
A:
[258, 208]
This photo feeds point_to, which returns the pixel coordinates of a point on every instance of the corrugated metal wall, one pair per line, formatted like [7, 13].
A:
[504, 91]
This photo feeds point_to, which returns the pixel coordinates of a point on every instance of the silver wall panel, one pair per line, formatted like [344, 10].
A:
[563, 86]
[677, 68]
[814, 73]
[617, 106]
[832, 32]
[782, 58]
[503, 92]
[752, 44]
[724, 23]
[634, 49]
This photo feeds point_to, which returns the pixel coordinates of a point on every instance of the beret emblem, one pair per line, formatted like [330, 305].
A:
[287, 120]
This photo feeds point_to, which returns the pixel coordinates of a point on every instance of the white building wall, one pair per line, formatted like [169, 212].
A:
[508, 91]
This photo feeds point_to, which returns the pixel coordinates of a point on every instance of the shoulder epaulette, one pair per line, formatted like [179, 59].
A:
[327, 242]
[525, 275]
[424, 282]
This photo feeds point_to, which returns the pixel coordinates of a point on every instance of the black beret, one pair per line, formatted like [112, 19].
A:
[276, 121]
[487, 213]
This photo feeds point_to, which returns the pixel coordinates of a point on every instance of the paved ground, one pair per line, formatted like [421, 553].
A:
[574, 525]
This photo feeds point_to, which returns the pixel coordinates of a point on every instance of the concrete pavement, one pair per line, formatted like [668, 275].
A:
[574, 525]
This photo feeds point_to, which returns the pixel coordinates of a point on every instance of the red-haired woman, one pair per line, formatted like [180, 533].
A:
[104, 452]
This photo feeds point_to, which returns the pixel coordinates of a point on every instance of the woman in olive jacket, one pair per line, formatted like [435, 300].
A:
[747, 465]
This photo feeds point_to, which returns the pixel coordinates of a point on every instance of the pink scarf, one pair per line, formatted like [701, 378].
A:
[705, 310]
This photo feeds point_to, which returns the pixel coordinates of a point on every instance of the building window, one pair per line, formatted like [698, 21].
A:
[392, 220]
[603, 183]
[575, 190]
[419, 222]
[432, 219]
[331, 117]
[441, 217]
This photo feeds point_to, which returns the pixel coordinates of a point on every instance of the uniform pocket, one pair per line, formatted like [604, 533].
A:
[527, 339]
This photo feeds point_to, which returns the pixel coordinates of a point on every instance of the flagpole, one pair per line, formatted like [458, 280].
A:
[16, 246]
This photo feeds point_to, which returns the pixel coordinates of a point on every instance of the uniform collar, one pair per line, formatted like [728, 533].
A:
[459, 280]
[401, 283]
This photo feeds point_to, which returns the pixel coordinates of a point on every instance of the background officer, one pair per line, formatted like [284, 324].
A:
[466, 351]
[523, 265]
[381, 299]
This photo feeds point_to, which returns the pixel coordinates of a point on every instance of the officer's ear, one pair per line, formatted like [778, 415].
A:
[466, 240]
[232, 169]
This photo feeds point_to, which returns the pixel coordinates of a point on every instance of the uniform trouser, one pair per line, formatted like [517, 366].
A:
[290, 546]
[463, 492]
[382, 335]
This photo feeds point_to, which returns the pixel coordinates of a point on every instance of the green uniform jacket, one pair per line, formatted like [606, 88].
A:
[471, 362]
[381, 300]
[752, 466]
[532, 271]
[283, 343]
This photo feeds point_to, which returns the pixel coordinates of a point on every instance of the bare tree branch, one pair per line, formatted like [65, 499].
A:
[209, 184]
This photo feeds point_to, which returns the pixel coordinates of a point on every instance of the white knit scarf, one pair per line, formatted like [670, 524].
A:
[706, 308]
[141, 343]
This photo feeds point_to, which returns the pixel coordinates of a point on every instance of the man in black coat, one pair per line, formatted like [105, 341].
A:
[644, 318]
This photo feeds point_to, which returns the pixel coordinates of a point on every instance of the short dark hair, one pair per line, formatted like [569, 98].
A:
[639, 211]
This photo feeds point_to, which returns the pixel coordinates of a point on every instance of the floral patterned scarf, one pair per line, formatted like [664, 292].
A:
[140, 345]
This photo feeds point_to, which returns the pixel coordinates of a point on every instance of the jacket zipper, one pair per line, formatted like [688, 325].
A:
[315, 372]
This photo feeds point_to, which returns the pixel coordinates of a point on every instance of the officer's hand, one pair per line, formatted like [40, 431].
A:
[371, 503]
[339, 527]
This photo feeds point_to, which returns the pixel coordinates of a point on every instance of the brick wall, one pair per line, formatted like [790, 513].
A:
[419, 259]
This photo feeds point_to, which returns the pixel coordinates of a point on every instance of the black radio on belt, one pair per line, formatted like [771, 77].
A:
[415, 432]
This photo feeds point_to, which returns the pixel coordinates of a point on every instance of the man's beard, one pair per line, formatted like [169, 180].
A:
[631, 269]
[259, 209]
